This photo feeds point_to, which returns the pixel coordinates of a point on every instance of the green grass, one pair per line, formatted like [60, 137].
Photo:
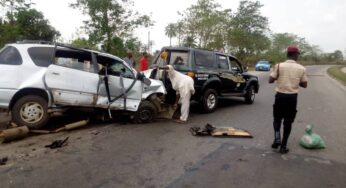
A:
[337, 73]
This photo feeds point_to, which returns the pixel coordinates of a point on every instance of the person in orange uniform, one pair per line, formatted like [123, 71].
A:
[144, 62]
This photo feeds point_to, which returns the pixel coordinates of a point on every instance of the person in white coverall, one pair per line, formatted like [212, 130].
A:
[184, 87]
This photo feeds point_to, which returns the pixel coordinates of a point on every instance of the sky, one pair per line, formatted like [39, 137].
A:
[320, 22]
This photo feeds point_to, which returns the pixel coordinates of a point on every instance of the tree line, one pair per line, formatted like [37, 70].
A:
[244, 33]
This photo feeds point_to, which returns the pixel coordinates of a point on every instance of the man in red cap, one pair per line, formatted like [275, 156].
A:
[289, 75]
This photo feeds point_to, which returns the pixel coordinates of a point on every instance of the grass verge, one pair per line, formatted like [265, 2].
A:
[337, 73]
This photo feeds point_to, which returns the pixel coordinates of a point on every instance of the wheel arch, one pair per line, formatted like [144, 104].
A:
[30, 91]
[253, 82]
[213, 83]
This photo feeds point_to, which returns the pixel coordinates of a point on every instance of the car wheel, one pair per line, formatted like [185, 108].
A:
[30, 111]
[146, 112]
[250, 95]
[209, 100]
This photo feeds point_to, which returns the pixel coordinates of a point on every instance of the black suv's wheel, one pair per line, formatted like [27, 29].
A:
[250, 95]
[146, 112]
[30, 111]
[209, 100]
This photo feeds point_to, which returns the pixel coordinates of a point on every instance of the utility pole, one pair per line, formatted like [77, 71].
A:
[149, 51]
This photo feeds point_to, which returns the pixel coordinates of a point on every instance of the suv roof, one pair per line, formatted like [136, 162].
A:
[188, 48]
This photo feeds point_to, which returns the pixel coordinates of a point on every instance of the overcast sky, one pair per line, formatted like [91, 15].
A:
[319, 21]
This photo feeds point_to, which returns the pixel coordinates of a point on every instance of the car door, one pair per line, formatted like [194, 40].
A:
[237, 75]
[72, 78]
[125, 91]
[226, 75]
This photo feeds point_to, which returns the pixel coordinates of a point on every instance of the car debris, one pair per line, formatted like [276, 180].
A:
[57, 143]
[67, 127]
[3, 161]
[13, 134]
[210, 130]
[71, 126]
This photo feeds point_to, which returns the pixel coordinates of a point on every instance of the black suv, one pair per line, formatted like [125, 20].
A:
[215, 75]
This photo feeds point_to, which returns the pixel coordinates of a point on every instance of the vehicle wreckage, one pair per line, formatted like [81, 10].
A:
[41, 79]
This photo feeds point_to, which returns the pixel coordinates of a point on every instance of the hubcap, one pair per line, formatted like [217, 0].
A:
[31, 112]
[211, 100]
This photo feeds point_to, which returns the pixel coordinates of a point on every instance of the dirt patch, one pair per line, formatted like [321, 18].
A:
[4, 119]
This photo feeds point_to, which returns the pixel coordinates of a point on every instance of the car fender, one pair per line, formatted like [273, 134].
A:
[252, 81]
[213, 82]
[156, 86]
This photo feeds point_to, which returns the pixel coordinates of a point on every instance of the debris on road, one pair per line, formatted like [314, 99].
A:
[57, 143]
[71, 126]
[210, 130]
[3, 161]
[311, 140]
[13, 134]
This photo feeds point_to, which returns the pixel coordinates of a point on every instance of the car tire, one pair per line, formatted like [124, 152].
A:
[250, 95]
[146, 112]
[209, 100]
[30, 111]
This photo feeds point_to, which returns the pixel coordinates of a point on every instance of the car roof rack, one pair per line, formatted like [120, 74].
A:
[34, 42]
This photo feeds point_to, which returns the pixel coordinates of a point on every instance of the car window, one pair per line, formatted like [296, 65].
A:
[204, 58]
[178, 58]
[10, 56]
[78, 60]
[118, 69]
[41, 56]
[222, 62]
[115, 67]
[235, 65]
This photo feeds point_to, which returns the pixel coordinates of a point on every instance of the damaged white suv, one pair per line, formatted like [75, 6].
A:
[38, 79]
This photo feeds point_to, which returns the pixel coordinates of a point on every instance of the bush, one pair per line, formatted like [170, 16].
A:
[337, 73]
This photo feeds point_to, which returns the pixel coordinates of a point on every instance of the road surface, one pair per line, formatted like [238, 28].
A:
[164, 154]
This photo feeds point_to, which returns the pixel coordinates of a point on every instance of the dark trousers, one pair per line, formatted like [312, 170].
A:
[284, 109]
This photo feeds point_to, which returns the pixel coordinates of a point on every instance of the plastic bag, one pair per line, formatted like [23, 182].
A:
[311, 140]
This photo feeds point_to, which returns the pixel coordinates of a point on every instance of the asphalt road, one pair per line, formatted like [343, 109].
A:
[164, 154]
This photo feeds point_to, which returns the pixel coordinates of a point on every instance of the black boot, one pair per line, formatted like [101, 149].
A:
[284, 149]
[277, 140]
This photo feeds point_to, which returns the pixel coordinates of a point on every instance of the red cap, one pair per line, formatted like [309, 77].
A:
[293, 49]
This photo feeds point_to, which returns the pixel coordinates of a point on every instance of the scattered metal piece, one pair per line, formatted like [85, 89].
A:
[57, 143]
[210, 130]
[13, 134]
[73, 125]
[3, 161]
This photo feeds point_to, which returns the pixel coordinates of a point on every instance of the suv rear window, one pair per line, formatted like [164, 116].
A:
[41, 56]
[205, 58]
[10, 56]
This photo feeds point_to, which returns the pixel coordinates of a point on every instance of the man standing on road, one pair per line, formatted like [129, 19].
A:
[144, 62]
[129, 59]
[288, 75]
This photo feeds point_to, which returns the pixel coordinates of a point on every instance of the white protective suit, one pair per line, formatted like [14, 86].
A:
[184, 86]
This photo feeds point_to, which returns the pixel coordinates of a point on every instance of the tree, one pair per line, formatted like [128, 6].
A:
[110, 20]
[204, 24]
[170, 31]
[247, 34]
[33, 26]
[179, 27]
[82, 42]
[22, 22]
